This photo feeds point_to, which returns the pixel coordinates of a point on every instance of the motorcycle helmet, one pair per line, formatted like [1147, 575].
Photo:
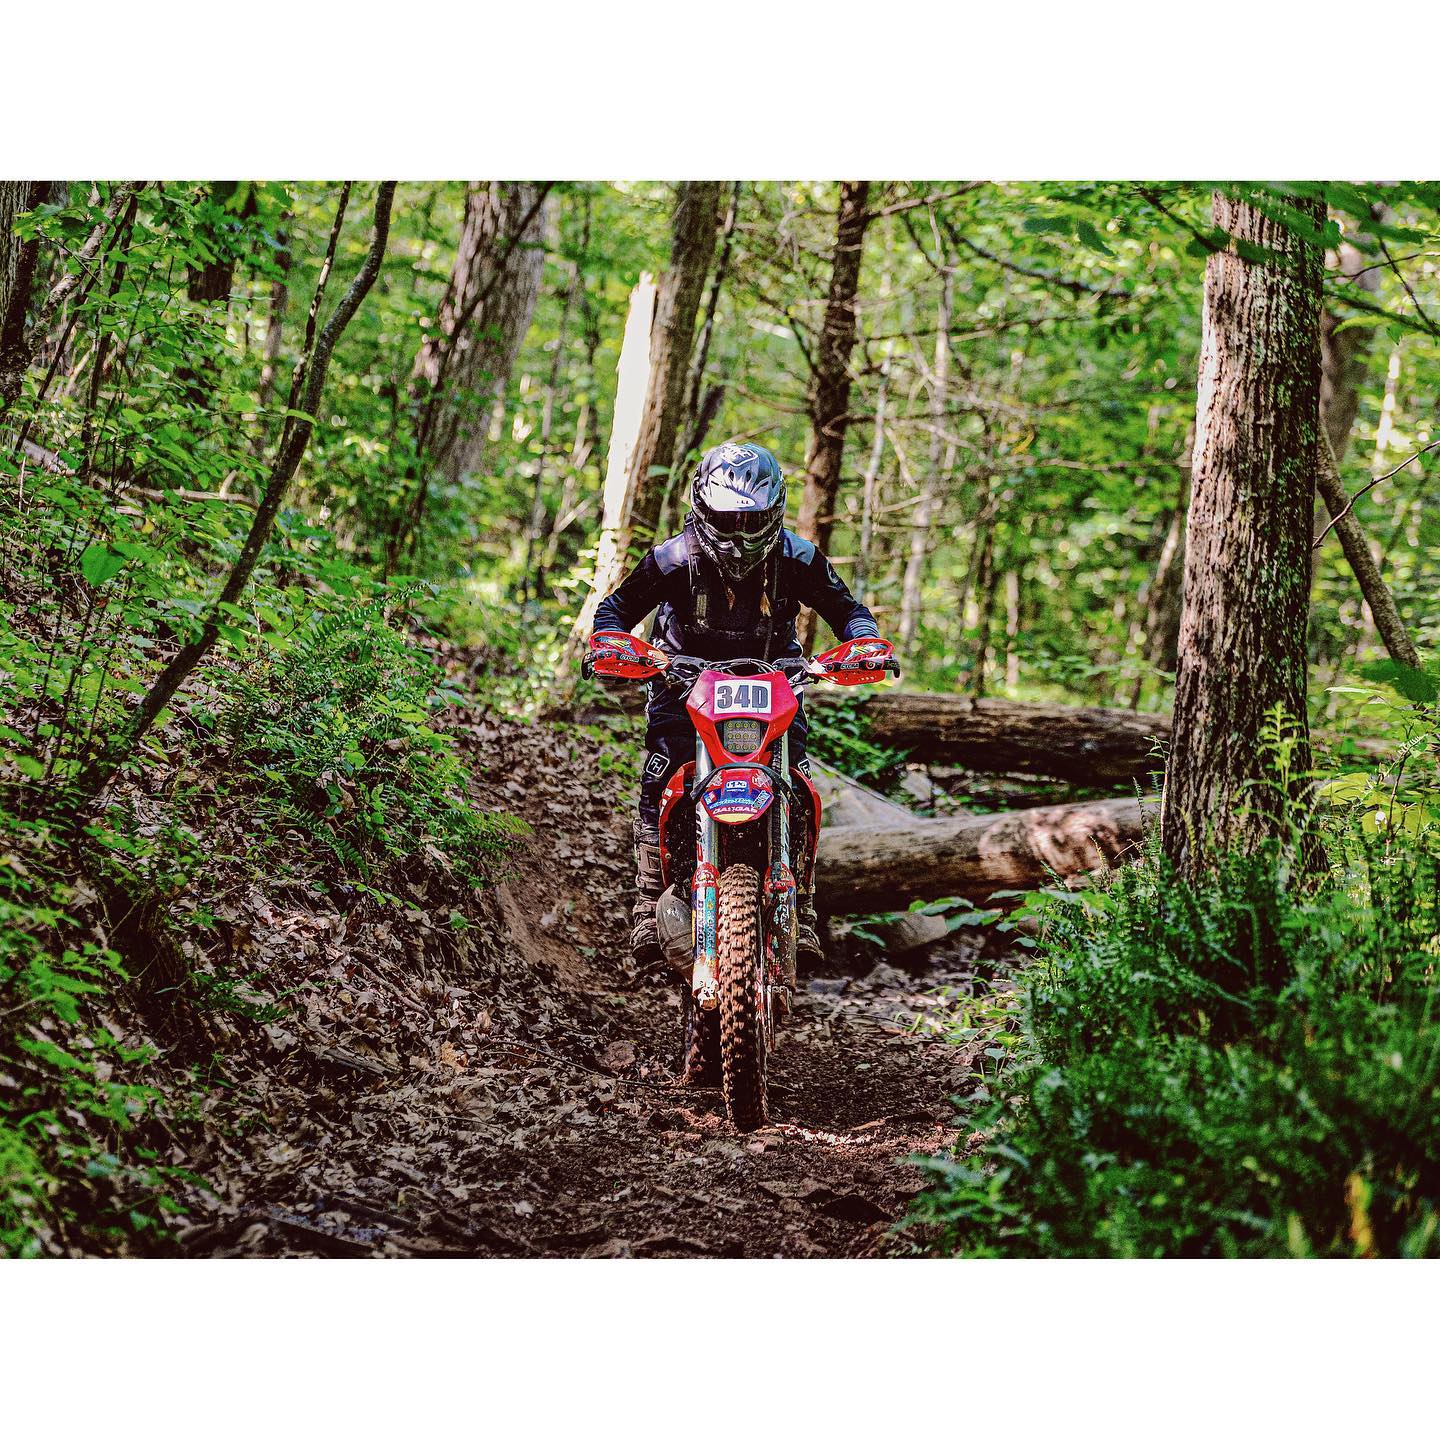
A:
[737, 504]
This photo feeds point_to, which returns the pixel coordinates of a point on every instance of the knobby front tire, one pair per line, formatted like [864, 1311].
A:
[699, 1044]
[742, 1029]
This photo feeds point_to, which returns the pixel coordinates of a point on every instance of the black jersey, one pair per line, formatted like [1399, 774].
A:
[698, 613]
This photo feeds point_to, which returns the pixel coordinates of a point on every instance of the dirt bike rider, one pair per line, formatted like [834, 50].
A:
[730, 585]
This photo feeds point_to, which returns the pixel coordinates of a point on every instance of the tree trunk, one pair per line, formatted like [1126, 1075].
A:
[983, 592]
[464, 365]
[17, 343]
[1357, 551]
[17, 256]
[936, 476]
[692, 243]
[1242, 632]
[864, 868]
[1342, 354]
[275, 323]
[211, 280]
[1012, 626]
[870, 502]
[1162, 597]
[700, 413]
[535, 526]
[830, 382]
[621, 475]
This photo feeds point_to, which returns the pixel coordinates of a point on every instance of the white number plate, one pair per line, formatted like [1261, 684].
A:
[750, 696]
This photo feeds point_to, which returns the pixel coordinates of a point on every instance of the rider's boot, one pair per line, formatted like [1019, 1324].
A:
[807, 929]
[644, 936]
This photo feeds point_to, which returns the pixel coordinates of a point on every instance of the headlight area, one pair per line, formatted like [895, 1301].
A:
[742, 737]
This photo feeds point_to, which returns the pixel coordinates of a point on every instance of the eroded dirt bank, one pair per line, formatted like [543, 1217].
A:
[502, 1084]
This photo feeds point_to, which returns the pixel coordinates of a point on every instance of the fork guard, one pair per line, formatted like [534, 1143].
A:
[704, 980]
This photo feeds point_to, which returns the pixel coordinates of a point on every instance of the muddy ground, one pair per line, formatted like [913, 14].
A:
[507, 1087]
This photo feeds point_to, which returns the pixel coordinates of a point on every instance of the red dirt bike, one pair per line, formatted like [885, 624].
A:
[730, 823]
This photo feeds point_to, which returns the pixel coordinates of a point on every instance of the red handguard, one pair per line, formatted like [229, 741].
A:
[623, 656]
[862, 661]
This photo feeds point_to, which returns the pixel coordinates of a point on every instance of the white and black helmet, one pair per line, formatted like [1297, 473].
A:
[737, 499]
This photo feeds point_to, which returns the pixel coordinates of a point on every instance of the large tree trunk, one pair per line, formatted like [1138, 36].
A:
[700, 412]
[692, 244]
[863, 868]
[1242, 633]
[464, 365]
[830, 383]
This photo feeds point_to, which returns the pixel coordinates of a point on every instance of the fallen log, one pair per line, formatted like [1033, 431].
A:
[1078, 744]
[866, 868]
[1087, 745]
[1081, 744]
[848, 802]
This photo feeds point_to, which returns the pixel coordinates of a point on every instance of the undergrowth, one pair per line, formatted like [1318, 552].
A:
[336, 730]
[1240, 1066]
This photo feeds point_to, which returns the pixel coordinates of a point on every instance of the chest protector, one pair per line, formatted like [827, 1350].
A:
[723, 621]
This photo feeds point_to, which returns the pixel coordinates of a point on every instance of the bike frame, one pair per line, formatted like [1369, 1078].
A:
[733, 791]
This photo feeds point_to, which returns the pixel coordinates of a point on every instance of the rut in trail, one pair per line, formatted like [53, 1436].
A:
[517, 1097]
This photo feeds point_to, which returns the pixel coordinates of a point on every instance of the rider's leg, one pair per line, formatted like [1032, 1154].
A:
[807, 926]
[669, 743]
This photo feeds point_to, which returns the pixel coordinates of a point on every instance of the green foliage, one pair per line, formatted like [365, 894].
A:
[838, 737]
[1235, 1067]
[337, 731]
[68, 1084]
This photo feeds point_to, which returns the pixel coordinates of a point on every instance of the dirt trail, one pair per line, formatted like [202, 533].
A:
[539, 1115]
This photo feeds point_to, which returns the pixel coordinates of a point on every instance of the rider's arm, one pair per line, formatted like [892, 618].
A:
[827, 594]
[638, 594]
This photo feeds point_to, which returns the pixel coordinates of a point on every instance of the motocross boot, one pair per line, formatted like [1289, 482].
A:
[644, 936]
[807, 929]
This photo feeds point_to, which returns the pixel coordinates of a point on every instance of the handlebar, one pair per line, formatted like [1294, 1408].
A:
[621, 656]
[801, 670]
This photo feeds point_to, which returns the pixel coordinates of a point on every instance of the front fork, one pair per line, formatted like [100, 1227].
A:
[778, 918]
[780, 921]
[705, 891]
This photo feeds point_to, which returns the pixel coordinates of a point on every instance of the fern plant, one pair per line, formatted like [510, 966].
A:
[339, 728]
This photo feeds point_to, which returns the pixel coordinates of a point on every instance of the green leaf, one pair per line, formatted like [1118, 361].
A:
[1089, 235]
[100, 563]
